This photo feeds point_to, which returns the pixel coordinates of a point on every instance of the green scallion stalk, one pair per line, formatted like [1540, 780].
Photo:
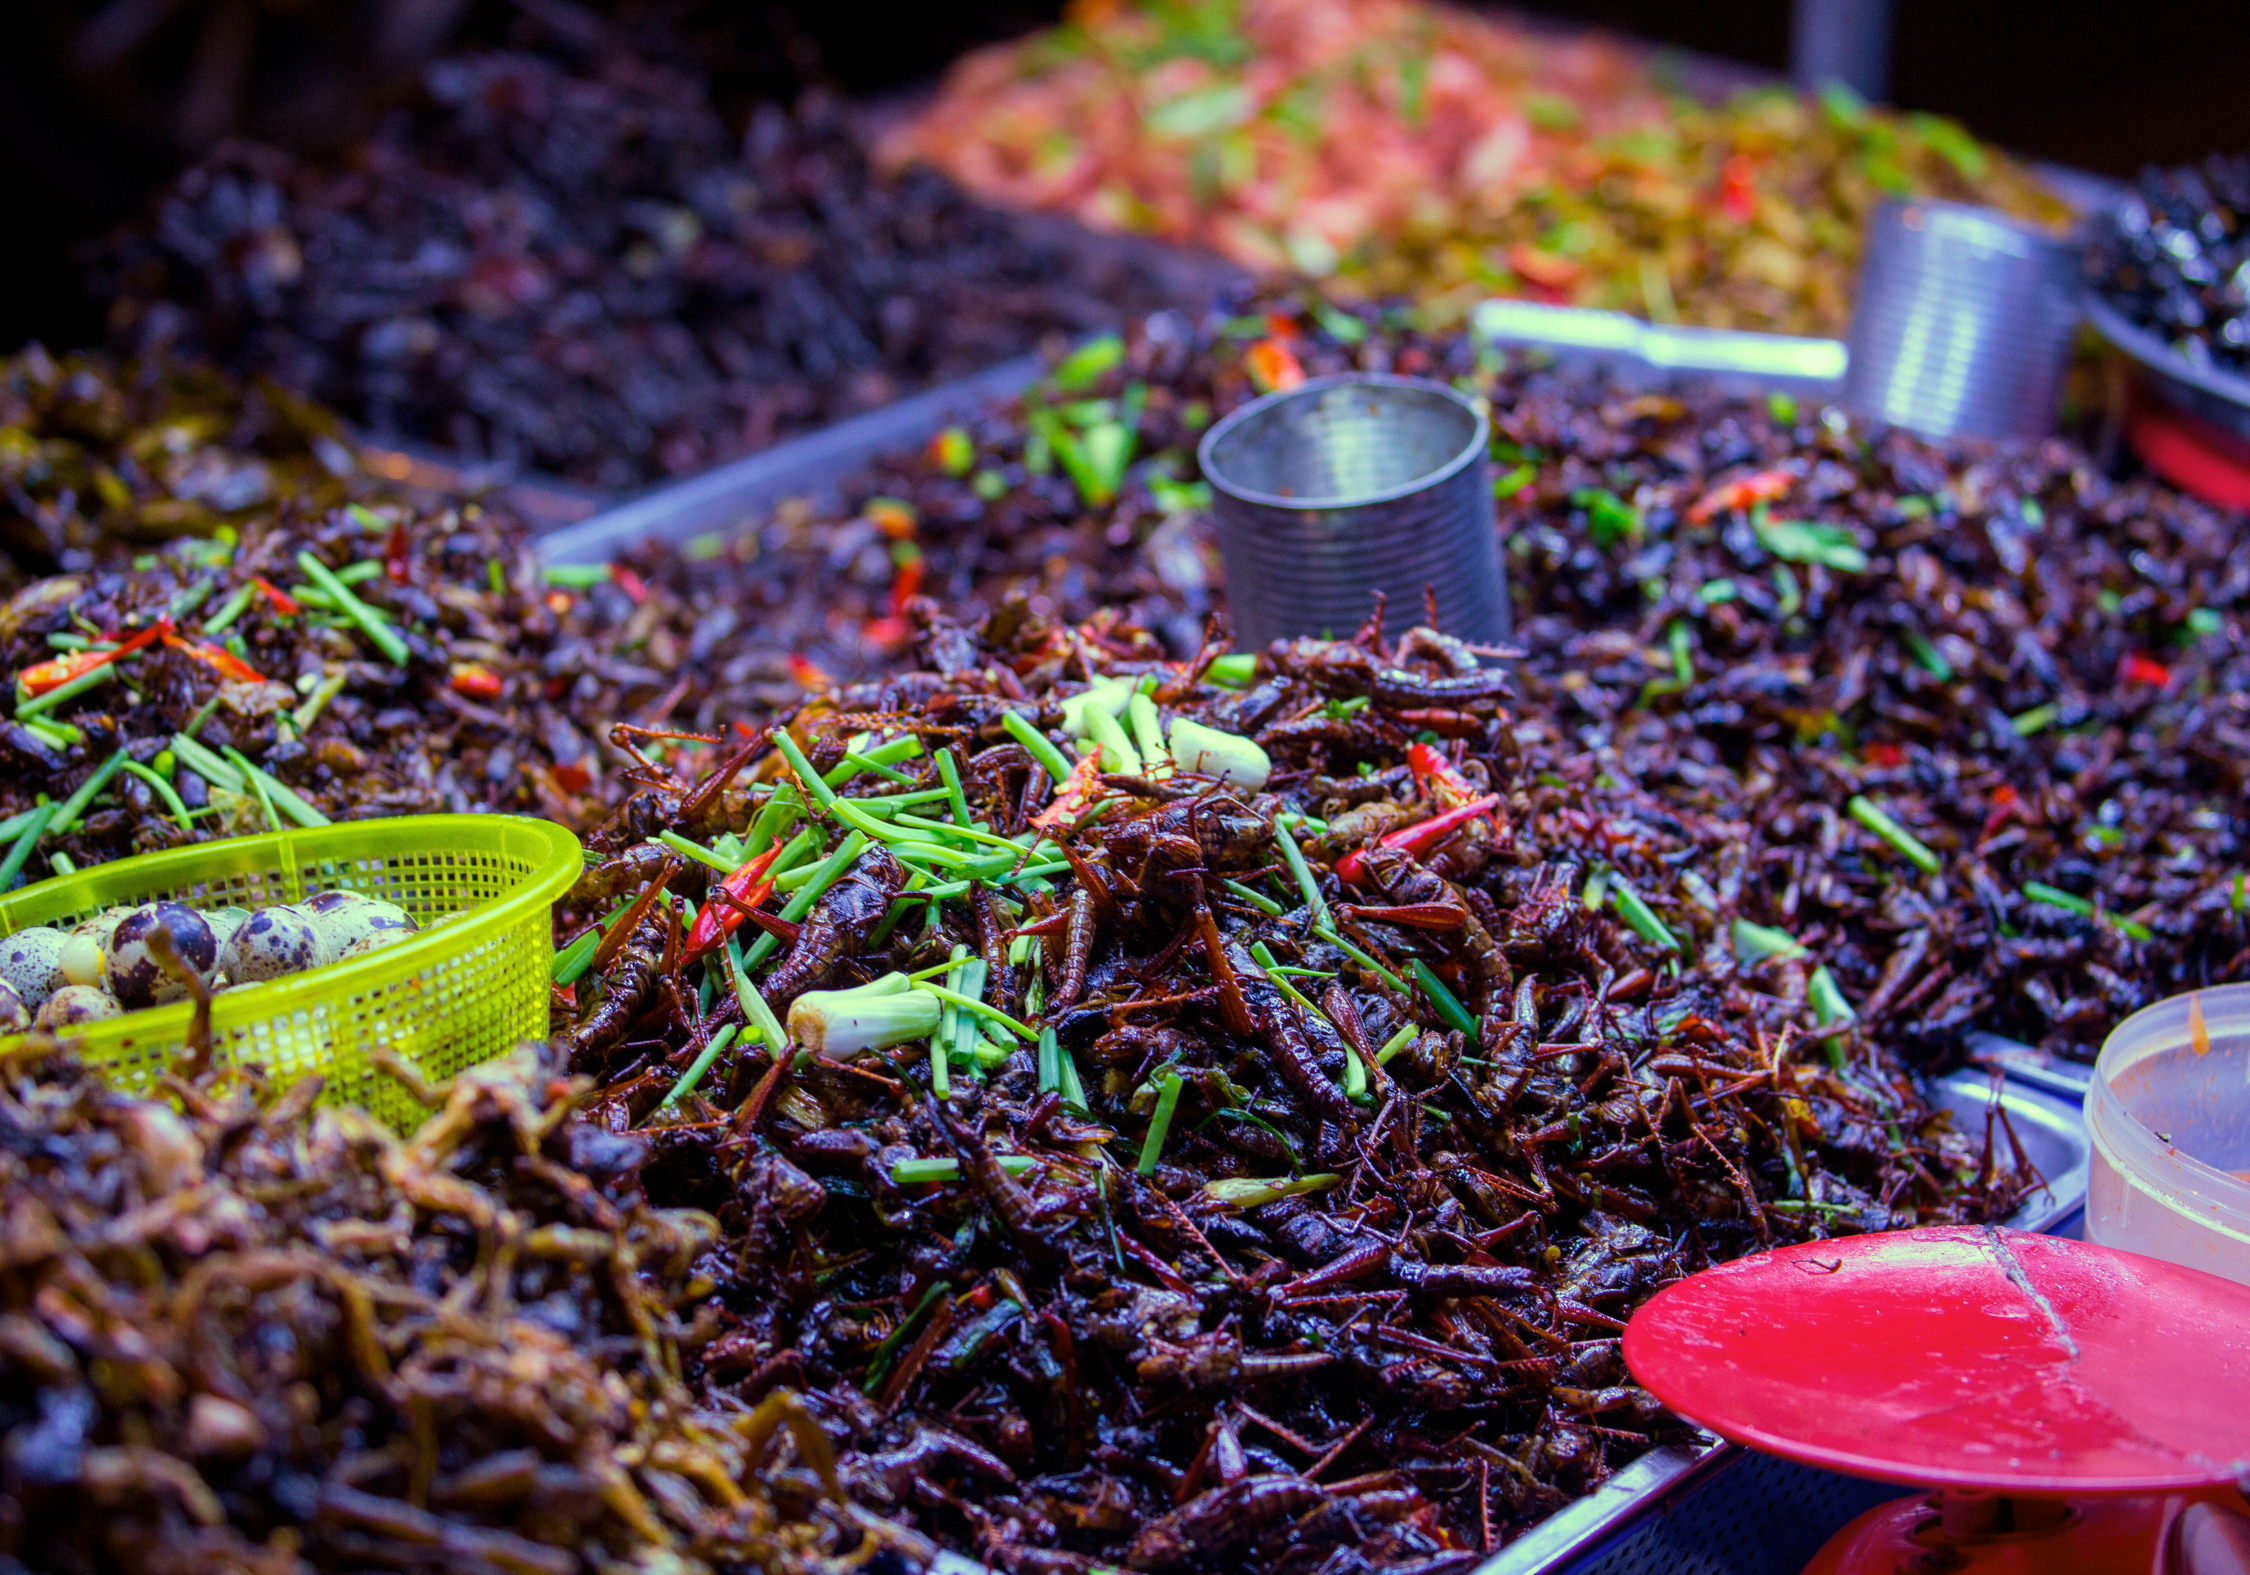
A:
[34, 828]
[1826, 1000]
[1160, 1124]
[780, 811]
[823, 877]
[809, 780]
[990, 1013]
[207, 765]
[379, 633]
[2035, 720]
[163, 790]
[1232, 671]
[1635, 911]
[274, 792]
[40, 704]
[316, 702]
[967, 831]
[1448, 1006]
[1249, 1192]
[78, 802]
[1364, 959]
[879, 760]
[1041, 747]
[1756, 942]
[230, 609]
[845, 1023]
[1257, 899]
[913, 1172]
[1105, 695]
[576, 576]
[696, 851]
[754, 1008]
[1295, 859]
[696, 1068]
[1118, 753]
[949, 772]
[573, 960]
[1871, 815]
[1393, 1045]
[60, 863]
[1073, 1091]
[1050, 1073]
[1148, 731]
[1355, 1075]
[2041, 893]
[1209, 752]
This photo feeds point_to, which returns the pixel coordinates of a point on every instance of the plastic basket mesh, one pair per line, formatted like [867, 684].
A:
[1757, 1515]
[470, 986]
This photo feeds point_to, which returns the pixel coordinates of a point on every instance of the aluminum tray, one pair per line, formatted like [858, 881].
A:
[1720, 1508]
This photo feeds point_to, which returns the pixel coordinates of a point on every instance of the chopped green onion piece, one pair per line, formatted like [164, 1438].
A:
[1207, 751]
[1362, 958]
[810, 780]
[1160, 1124]
[696, 851]
[380, 633]
[1042, 748]
[1827, 1001]
[273, 791]
[576, 576]
[949, 772]
[1931, 658]
[78, 802]
[845, 1023]
[1756, 942]
[162, 790]
[913, 1172]
[34, 828]
[230, 609]
[1257, 899]
[1306, 884]
[2035, 720]
[992, 1013]
[1393, 1045]
[573, 960]
[1232, 671]
[1148, 731]
[1635, 911]
[1118, 753]
[1871, 815]
[696, 1068]
[70, 690]
[1449, 1008]
[1248, 1192]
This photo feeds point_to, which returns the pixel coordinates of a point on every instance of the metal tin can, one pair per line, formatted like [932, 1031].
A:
[1344, 486]
[1964, 322]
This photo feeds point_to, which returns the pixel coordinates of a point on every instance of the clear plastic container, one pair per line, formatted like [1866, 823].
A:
[2169, 1123]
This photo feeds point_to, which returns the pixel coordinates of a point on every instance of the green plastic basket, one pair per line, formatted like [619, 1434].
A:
[454, 994]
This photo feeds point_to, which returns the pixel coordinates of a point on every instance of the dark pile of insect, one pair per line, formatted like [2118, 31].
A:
[2174, 256]
[562, 256]
[266, 1338]
[1237, 1146]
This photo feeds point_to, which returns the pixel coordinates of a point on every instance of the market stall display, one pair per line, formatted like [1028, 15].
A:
[1396, 147]
[1233, 1144]
[2171, 258]
[565, 259]
[242, 1333]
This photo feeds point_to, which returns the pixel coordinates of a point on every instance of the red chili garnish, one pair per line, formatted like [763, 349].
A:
[1738, 188]
[397, 554]
[1436, 776]
[807, 675]
[573, 778]
[1543, 269]
[1885, 755]
[2004, 795]
[40, 677]
[283, 603]
[888, 631]
[907, 583]
[475, 680]
[2141, 669]
[1282, 325]
[719, 918]
[630, 583]
[1419, 838]
[1272, 366]
[1760, 486]
[224, 662]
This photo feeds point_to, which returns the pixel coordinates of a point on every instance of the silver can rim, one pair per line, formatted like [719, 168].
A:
[1973, 215]
[1479, 437]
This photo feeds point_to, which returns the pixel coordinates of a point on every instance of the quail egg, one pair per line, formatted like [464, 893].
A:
[224, 922]
[345, 928]
[136, 976]
[270, 943]
[75, 1005]
[31, 963]
[13, 1018]
[322, 903]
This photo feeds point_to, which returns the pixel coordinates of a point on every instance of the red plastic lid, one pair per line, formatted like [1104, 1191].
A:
[2189, 452]
[1965, 1357]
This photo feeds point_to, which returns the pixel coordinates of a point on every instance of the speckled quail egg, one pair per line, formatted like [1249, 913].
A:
[270, 943]
[137, 977]
[224, 922]
[322, 903]
[75, 1005]
[31, 964]
[346, 928]
[13, 1018]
